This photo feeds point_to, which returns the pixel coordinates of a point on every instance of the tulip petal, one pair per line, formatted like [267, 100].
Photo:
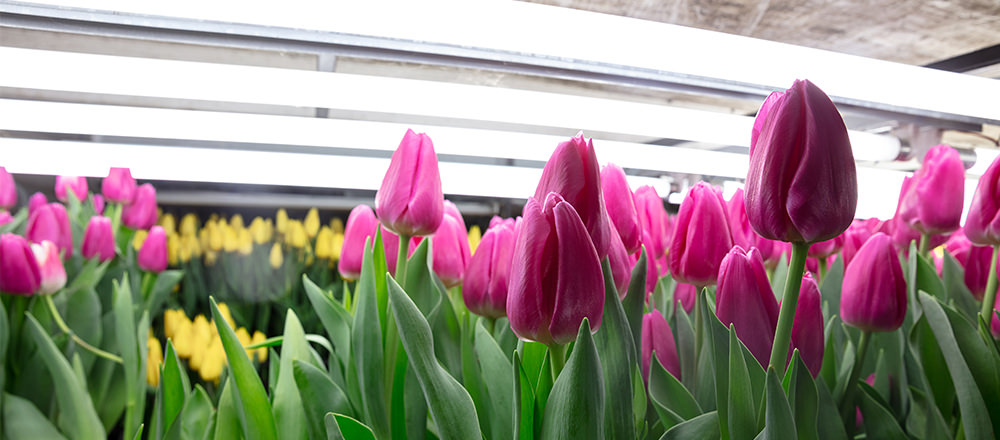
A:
[580, 290]
[525, 300]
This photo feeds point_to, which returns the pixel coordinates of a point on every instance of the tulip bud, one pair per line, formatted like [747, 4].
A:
[826, 248]
[899, 226]
[873, 296]
[76, 184]
[653, 219]
[281, 221]
[409, 201]
[802, 184]
[982, 224]
[141, 214]
[854, 237]
[390, 245]
[485, 287]
[98, 239]
[556, 278]
[739, 224]
[685, 294]
[50, 267]
[620, 203]
[296, 236]
[657, 336]
[324, 243]
[50, 222]
[276, 258]
[19, 271]
[37, 199]
[451, 210]
[119, 186]
[475, 238]
[933, 202]
[311, 223]
[701, 237]
[744, 299]
[153, 254]
[361, 224]
[976, 261]
[8, 190]
[807, 328]
[5, 218]
[573, 173]
[450, 251]
[621, 264]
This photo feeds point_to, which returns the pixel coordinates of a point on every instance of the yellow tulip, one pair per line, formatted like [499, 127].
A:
[214, 360]
[139, 238]
[244, 242]
[281, 221]
[475, 236]
[258, 338]
[270, 229]
[210, 257]
[173, 245]
[311, 223]
[189, 248]
[338, 244]
[258, 230]
[189, 224]
[172, 321]
[337, 225]
[295, 235]
[216, 239]
[230, 240]
[324, 243]
[244, 337]
[183, 338]
[169, 223]
[227, 314]
[276, 258]
[236, 222]
[154, 358]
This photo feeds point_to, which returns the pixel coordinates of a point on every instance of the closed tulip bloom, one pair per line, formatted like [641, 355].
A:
[982, 224]
[685, 294]
[5, 218]
[873, 296]
[50, 267]
[98, 239]
[19, 271]
[854, 238]
[739, 224]
[652, 274]
[657, 337]
[390, 245]
[119, 186]
[276, 258]
[807, 329]
[8, 190]
[485, 287]
[451, 210]
[901, 231]
[621, 264]
[654, 220]
[50, 222]
[141, 214]
[76, 184]
[361, 225]
[975, 260]
[620, 203]
[410, 201]
[826, 248]
[37, 199]
[556, 278]
[98, 204]
[573, 173]
[450, 251]
[310, 224]
[933, 202]
[802, 184]
[153, 254]
[744, 299]
[701, 237]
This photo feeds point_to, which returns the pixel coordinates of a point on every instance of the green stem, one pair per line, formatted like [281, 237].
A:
[990, 295]
[404, 250]
[557, 359]
[789, 301]
[65, 329]
[491, 325]
[847, 404]
[925, 245]
[822, 269]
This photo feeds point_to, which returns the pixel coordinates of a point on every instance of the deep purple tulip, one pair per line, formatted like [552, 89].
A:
[361, 224]
[141, 214]
[50, 267]
[744, 299]
[873, 296]
[19, 271]
[654, 221]
[802, 183]
[119, 186]
[153, 253]
[982, 225]
[556, 278]
[657, 336]
[933, 202]
[8, 190]
[807, 329]
[620, 203]
[410, 201]
[485, 287]
[37, 199]
[76, 184]
[98, 239]
[450, 251]
[975, 260]
[573, 173]
[685, 294]
[50, 222]
[701, 237]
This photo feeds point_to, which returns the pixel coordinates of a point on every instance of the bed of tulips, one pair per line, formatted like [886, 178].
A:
[595, 314]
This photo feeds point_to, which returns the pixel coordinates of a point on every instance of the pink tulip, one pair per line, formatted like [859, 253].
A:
[37, 199]
[50, 267]
[933, 202]
[5, 218]
[141, 214]
[685, 294]
[654, 221]
[621, 264]
[19, 271]
[873, 296]
[701, 237]
[450, 248]
[8, 190]
[826, 248]
[744, 299]
[153, 253]
[975, 260]
[657, 337]
[119, 186]
[390, 245]
[982, 225]
[98, 239]
[620, 203]
[98, 204]
[410, 201]
[485, 287]
[76, 184]
[854, 238]
[361, 224]
[807, 328]
[50, 222]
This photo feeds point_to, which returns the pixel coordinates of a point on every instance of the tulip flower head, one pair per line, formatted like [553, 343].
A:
[807, 329]
[5, 218]
[36, 200]
[141, 214]
[98, 239]
[152, 255]
[975, 260]
[933, 201]
[361, 226]
[50, 267]
[8, 190]
[119, 186]
[620, 204]
[556, 278]
[50, 222]
[657, 337]
[802, 184]
[654, 221]
[854, 237]
[982, 225]
[701, 237]
[873, 296]
[685, 294]
[450, 249]
[19, 271]
[621, 264]
[485, 287]
[744, 299]
[98, 204]
[410, 201]
[76, 184]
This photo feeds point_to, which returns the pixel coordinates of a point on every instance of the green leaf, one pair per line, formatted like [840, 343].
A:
[803, 398]
[125, 333]
[77, 413]
[22, 420]
[227, 419]
[575, 408]
[639, 405]
[779, 422]
[253, 407]
[196, 417]
[173, 390]
[703, 427]
[341, 427]
[925, 346]
[686, 348]
[499, 383]
[164, 285]
[614, 342]
[954, 282]
[289, 414]
[335, 318]
[450, 405]
[320, 395]
[635, 299]
[830, 425]
[716, 341]
[879, 422]
[779, 277]
[524, 402]
[83, 315]
[742, 408]
[366, 342]
[925, 421]
[672, 402]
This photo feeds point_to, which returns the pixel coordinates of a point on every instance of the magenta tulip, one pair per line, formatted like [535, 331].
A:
[933, 201]
[98, 204]
[119, 186]
[739, 224]
[450, 248]
[410, 201]
[744, 299]
[141, 214]
[654, 221]
[621, 263]
[361, 224]
[657, 337]
[855, 237]
[76, 184]
[807, 329]
[37, 199]
[902, 232]
[5, 218]
[982, 225]
[826, 248]
[50, 222]
[620, 203]
[802, 184]
[50, 267]
[701, 237]
[975, 260]
[153, 253]
[98, 239]
[873, 296]
[685, 294]
[556, 278]
[19, 271]
[485, 286]
[390, 245]
[8, 190]
[451, 210]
